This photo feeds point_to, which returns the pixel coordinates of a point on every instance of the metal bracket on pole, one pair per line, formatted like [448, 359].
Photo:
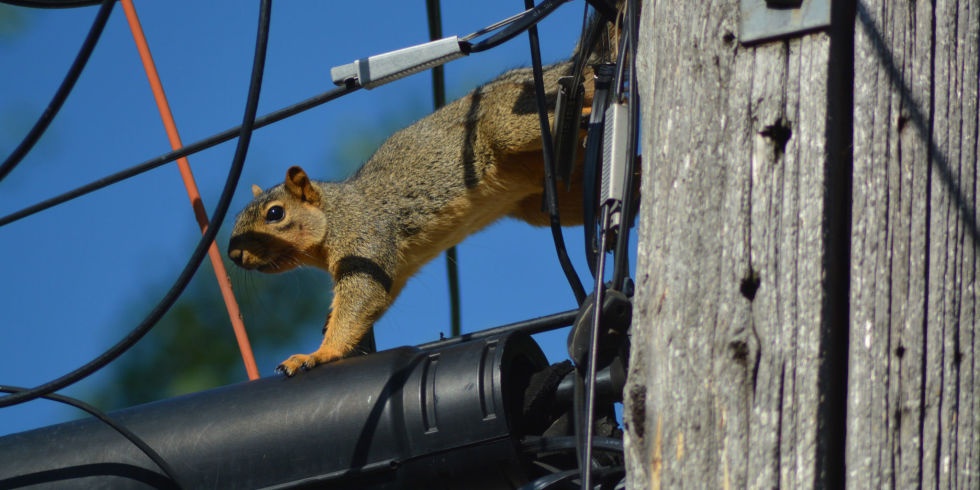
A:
[763, 20]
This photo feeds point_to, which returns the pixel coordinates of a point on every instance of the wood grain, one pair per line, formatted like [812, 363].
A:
[729, 311]
[803, 222]
[913, 418]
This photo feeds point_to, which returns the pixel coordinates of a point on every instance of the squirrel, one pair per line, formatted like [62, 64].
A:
[426, 188]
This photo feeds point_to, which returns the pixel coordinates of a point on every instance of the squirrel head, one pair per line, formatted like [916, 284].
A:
[282, 228]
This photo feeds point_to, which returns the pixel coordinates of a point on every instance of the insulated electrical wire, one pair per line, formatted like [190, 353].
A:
[589, 39]
[550, 186]
[584, 411]
[104, 418]
[234, 173]
[67, 84]
[533, 326]
[584, 400]
[52, 4]
[545, 444]
[434, 15]
[517, 24]
[166, 158]
[621, 258]
[525, 21]
[549, 481]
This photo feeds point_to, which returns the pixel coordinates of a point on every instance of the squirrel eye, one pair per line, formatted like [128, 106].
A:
[274, 214]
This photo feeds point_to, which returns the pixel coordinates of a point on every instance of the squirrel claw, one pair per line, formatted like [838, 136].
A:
[290, 366]
[305, 362]
[281, 369]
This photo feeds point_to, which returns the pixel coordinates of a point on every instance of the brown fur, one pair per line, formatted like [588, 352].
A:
[426, 188]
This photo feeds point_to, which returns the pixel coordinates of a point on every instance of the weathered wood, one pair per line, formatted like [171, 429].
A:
[913, 408]
[724, 388]
[740, 267]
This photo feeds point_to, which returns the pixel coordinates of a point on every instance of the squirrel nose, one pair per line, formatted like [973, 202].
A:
[235, 254]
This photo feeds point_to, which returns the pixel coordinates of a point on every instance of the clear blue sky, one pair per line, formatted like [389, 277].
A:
[70, 274]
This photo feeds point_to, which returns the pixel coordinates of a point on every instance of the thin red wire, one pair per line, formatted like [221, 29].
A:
[224, 283]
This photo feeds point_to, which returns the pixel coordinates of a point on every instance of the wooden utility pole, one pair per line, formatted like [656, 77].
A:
[914, 371]
[806, 309]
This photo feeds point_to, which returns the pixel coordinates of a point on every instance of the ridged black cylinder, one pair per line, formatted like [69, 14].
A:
[404, 418]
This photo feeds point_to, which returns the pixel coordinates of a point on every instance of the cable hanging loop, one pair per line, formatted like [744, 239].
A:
[550, 185]
[64, 90]
[221, 210]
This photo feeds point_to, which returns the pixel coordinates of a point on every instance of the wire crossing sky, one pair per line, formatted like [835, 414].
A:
[74, 271]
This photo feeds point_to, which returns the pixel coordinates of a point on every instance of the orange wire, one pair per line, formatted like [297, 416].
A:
[224, 283]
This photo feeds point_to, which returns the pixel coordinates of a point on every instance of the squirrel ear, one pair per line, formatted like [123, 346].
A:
[256, 190]
[299, 185]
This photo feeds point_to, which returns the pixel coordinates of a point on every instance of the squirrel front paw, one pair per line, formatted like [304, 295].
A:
[296, 362]
[292, 365]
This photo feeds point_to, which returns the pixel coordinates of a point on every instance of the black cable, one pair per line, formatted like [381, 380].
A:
[553, 479]
[592, 162]
[121, 429]
[550, 186]
[524, 22]
[67, 84]
[606, 8]
[222, 137]
[221, 210]
[585, 390]
[166, 158]
[566, 443]
[197, 257]
[530, 327]
[621, 258]
[586, 43]
[593, 30]
[548, 481]
[51, 4]
[434, 14]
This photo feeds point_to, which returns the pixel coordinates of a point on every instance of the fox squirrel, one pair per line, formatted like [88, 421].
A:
[425, 189]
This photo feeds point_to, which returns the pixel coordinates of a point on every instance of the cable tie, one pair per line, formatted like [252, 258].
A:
[380, 69]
